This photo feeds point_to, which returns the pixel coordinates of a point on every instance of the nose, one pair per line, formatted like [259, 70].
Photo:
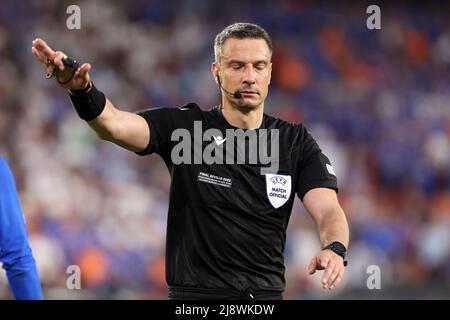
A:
[249, 75]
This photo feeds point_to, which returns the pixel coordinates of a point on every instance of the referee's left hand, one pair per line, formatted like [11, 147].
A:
[332, 263]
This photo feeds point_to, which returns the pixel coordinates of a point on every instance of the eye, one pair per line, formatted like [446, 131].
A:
[236, 66]
[260, 66]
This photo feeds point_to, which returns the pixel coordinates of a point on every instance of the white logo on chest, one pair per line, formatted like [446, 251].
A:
[219, 140]
[278, 188]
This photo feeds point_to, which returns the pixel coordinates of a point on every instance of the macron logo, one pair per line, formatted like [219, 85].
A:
[219, 140]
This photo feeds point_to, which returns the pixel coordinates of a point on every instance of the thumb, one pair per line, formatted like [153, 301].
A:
[312, 266]
[83, 70]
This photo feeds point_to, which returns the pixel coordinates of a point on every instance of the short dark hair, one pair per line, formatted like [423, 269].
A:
[240, 30]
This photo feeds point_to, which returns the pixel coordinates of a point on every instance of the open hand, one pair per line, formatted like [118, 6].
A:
[332, 263]
[53, 59]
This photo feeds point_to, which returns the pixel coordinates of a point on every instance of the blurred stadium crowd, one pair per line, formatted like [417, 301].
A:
[378, 102]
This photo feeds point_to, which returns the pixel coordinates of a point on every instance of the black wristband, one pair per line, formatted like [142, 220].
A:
[88, 103]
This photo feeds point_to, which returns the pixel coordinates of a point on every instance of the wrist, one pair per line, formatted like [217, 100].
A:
[338, 248]
[81, 91]
[89, 102]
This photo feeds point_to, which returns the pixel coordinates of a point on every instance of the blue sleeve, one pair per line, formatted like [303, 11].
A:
[15, 251]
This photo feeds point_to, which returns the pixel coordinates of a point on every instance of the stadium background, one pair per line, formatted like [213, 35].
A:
[377, 101]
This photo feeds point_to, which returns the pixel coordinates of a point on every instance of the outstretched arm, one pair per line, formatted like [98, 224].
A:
[125, 129]
[322, 204]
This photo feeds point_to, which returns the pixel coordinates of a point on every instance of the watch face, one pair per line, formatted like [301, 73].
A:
[339, 247]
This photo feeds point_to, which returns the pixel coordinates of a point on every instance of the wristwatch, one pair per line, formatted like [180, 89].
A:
[337, 248]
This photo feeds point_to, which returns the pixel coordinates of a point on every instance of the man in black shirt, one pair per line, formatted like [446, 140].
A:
[234, 169]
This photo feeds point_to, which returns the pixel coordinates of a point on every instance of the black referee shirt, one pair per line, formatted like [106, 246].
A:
[227, 223]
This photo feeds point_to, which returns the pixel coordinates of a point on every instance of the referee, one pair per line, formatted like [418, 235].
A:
[227, 220]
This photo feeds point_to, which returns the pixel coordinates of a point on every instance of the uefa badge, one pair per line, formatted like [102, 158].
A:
[278, 189]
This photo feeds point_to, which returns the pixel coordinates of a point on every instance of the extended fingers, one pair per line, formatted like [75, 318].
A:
[336, 275]
[40, 56]
[337, 278]
[43, 52]
[42, 47]
[46, 55]
[333, 274]
[327, 273]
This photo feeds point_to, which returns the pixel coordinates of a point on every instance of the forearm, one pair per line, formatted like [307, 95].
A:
[333, 226]
[322, 204]
[23, 279]
[92, 106]
[125, 129]
[106, 124]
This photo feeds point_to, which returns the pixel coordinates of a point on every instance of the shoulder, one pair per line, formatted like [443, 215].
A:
[292, 129]
[189, 108]
[173, 116]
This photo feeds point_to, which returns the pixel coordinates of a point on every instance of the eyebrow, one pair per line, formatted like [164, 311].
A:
[243, 62]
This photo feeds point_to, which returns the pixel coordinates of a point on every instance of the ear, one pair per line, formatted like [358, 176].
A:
[215, 72]
[270, 72]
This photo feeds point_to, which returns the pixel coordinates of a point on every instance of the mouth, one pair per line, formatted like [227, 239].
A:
[249, 93]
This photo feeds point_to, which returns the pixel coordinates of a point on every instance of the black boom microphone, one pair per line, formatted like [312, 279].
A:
[236, 94]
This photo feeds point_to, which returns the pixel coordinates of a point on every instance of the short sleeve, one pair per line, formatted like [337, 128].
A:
[315, 169]
[162, 122]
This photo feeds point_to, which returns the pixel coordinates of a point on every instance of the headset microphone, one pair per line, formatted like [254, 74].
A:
[236, 94]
